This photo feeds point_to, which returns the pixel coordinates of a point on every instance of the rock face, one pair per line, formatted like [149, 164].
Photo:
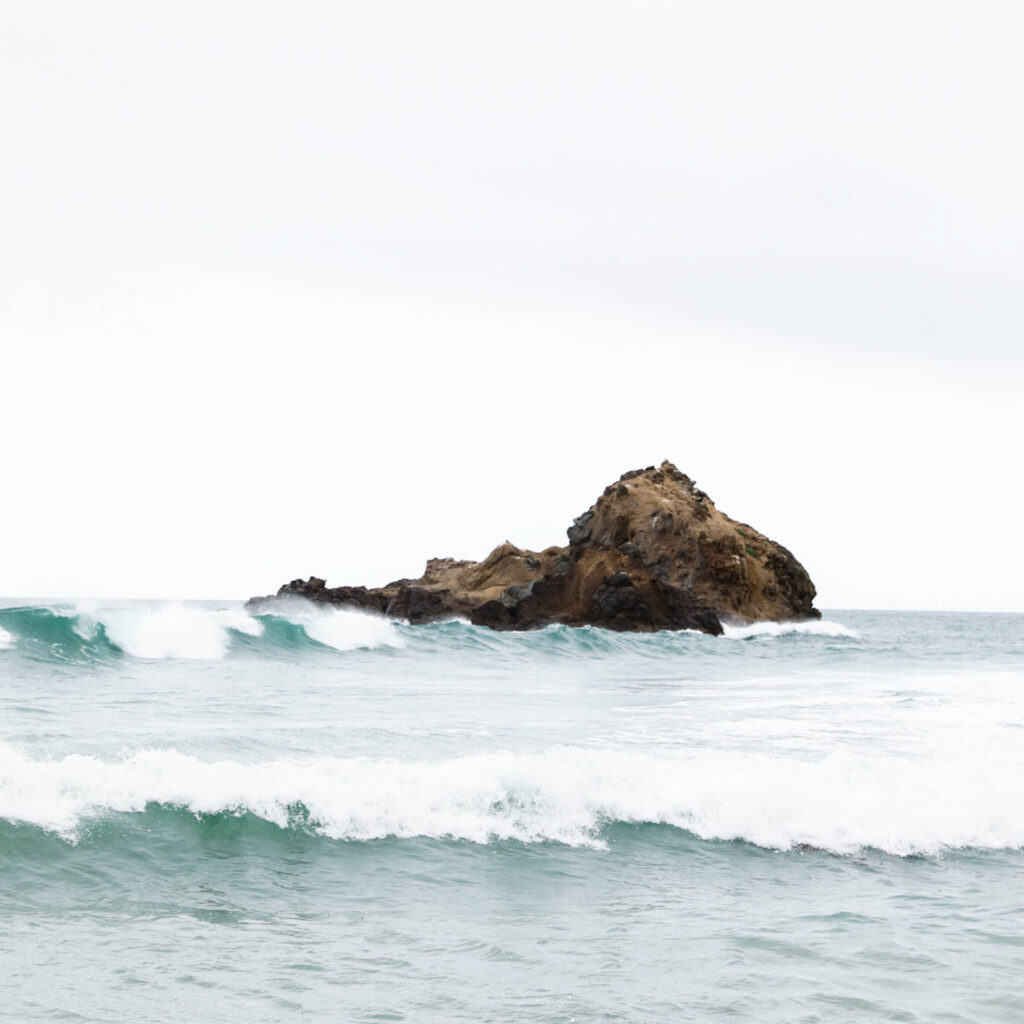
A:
[651, 553]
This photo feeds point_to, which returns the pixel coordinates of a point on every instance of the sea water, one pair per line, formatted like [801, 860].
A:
[318, 815]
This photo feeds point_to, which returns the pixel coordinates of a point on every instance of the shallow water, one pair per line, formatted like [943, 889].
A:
[321, 816]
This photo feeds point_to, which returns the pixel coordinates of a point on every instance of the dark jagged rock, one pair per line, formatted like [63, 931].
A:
[651, 553]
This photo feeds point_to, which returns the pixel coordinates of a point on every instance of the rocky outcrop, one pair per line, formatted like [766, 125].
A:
[651, 553]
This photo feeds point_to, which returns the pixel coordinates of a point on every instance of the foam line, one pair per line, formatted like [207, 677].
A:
[813, 627]
[841, 803]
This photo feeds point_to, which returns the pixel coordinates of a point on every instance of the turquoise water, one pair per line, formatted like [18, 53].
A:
[321, 816]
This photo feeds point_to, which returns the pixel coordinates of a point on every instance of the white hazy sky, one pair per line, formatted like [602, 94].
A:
[293, 288]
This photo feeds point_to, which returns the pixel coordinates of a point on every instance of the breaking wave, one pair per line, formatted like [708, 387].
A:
[842, 803]
[90, 632]
[813, 627]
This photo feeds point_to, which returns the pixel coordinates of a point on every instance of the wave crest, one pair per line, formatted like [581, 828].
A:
[842, 803]
[812, 627]
[90, 632]
[344, 629]
[172, 631]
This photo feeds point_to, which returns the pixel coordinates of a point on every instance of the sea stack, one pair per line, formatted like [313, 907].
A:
[651, 553]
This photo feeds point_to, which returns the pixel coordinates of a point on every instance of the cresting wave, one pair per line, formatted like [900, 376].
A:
[814, 627]
[842, 803]
[88, 631]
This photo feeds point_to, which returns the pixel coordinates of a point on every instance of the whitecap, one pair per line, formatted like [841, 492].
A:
[344, 629]
[809, 627]
[170, 631]
[241, 622]
[842, 803]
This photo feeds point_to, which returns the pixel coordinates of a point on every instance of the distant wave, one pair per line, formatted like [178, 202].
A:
[88, 631]
[812, 627]
[97, 633]
[842, 803]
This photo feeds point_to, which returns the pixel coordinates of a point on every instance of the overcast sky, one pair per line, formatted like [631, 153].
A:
[293, 288]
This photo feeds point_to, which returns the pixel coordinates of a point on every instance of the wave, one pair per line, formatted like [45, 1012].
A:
[812, 627]
[89, 632]
[570, 795]
[341, 628]
[171, 631]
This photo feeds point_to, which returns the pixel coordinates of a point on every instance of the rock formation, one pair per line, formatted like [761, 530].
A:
[651, 553]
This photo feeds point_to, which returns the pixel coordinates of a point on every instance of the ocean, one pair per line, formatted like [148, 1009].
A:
[322, 816]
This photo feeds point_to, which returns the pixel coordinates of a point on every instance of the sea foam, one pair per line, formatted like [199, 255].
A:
[183, 631]
[841, 803]
[6, 639]
[344, 629]
[811, 627]
[172, 631]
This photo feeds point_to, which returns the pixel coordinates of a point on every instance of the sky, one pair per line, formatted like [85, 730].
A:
[326, 288]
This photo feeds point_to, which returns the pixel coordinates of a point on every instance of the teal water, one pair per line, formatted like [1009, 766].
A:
[320, 816]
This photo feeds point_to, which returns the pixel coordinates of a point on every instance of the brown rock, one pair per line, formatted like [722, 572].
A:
[651, 553]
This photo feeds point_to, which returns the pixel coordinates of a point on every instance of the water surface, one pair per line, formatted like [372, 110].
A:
[321, 816]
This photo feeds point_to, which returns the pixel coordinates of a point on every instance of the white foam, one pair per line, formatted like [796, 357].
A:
[811, 627]
[83, 617]
[169, 631]
[842, 803]
[179, 630]
[239, 621]
[6, 639]
[344, 629]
